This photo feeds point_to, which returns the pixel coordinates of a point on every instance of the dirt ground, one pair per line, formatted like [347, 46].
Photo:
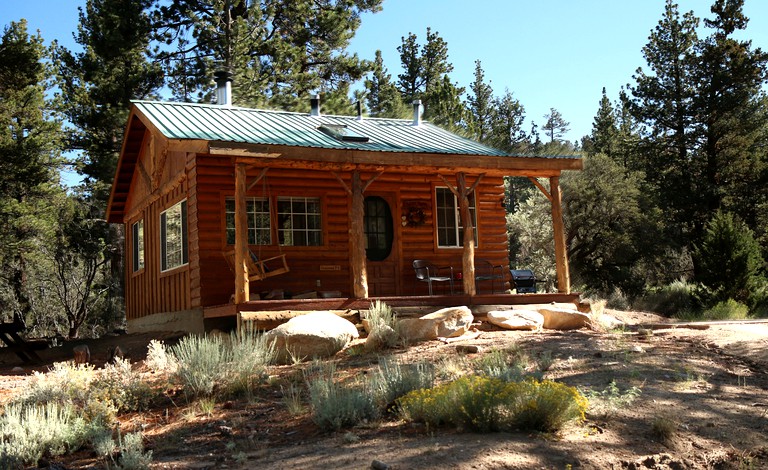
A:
[709, 385]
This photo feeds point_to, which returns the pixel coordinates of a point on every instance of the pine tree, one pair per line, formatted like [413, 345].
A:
[98, 83]
[29, 159]
[555, 125]
[732, 117]
[279, 51]
[604, 130]
[663, 104]
[507, 125]
[424, 77]
[383, 98]
[480, 106]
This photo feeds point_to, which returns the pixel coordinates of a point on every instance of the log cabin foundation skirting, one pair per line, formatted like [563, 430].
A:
[190, 321]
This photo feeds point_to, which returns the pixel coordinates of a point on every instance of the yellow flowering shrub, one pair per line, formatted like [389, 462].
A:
[491, 404]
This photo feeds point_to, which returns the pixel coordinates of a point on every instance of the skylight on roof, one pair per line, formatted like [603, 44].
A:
[342, 133]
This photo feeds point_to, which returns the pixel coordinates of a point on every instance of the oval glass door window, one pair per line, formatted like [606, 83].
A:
[379, 232]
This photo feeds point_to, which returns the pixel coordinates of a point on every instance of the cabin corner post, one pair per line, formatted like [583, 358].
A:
[561, 253]
[468, 253]
[242, 292]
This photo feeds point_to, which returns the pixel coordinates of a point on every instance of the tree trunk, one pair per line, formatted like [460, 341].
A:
[561, 254]
[468, 254]
[242, 292]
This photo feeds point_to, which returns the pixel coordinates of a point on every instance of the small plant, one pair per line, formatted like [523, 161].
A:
[604, 404]
[251, 355]
[392, 379]
[158, 358]
[512, 364]
[206, 406]
[382, 324]
[124, 387]
[663, 429]
[545, 406]
[292, 399]
[201, 363]
[727, 310]
[132, 455]
[452, 367]
[336, 405]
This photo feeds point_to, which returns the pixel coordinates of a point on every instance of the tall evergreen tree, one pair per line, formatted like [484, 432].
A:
[424, 76]
[29, 159]
[663, 104]
[383, 98]
[480, 106]
[603, 138]
[555, 126]
[98, 83]
[732, 118]
[279, 50]
[444, 106]
[507, 125]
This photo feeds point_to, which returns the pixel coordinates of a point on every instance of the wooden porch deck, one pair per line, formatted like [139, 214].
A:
[345, 303]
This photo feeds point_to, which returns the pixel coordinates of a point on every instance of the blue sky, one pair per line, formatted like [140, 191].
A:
[548, 53]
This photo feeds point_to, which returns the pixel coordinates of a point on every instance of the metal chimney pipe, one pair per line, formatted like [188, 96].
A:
[314, 103]
[416, 112]
[223, 87]
[359, 107]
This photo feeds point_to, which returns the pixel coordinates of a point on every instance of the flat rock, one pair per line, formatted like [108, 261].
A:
[446, 323]
[518, 319]
[316, 334]
[563, 319]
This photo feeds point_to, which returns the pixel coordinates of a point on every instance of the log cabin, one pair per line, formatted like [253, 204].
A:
[223, 206]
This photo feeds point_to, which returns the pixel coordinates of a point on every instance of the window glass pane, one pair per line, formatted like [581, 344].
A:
[259, 221]
[299, 221]
[138, 246]
[449, 230]
[173, 236]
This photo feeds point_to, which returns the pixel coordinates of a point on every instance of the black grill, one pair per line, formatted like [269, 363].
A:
[524, 280]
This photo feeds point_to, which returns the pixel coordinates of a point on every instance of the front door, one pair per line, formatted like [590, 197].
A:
[379, 247]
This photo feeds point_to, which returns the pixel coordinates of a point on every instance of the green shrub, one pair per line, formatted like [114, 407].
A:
[545, 406]
[672, 299]
[29, 432]
[505, 364]
[123, 386]
[728, 260]
[491, 404]
[727, 310]
[336, 405]
[393, 379]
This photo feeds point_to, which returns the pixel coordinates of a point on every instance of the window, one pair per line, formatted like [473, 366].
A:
[259, 227]
[137, 230]
[299, 221]
[450, 233]
[173, 237]
[379, 232]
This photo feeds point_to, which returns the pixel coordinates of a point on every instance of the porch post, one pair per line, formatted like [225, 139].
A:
[468, 253]
[357, 238]
[242, 293]
[561, 254]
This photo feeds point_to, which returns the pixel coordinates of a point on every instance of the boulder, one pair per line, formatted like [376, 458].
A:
[316, 334]
[446, 323]
[383, 337]
[516, 319]
[563, 319]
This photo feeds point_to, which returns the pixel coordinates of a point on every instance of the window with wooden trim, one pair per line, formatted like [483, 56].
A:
[173, 237]
[299, 221]
[137, 236]
[450, 233]
[259, 225]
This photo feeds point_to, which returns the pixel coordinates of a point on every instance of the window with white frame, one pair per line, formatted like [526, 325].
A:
[259, 226]
[450, 233]
[137, 235]
[173, 237]
[299, 221]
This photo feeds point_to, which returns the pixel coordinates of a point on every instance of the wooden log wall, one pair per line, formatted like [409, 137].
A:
[330, 263]
[149, 291]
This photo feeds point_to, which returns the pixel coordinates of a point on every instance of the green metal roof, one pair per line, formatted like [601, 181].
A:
[257, 126]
